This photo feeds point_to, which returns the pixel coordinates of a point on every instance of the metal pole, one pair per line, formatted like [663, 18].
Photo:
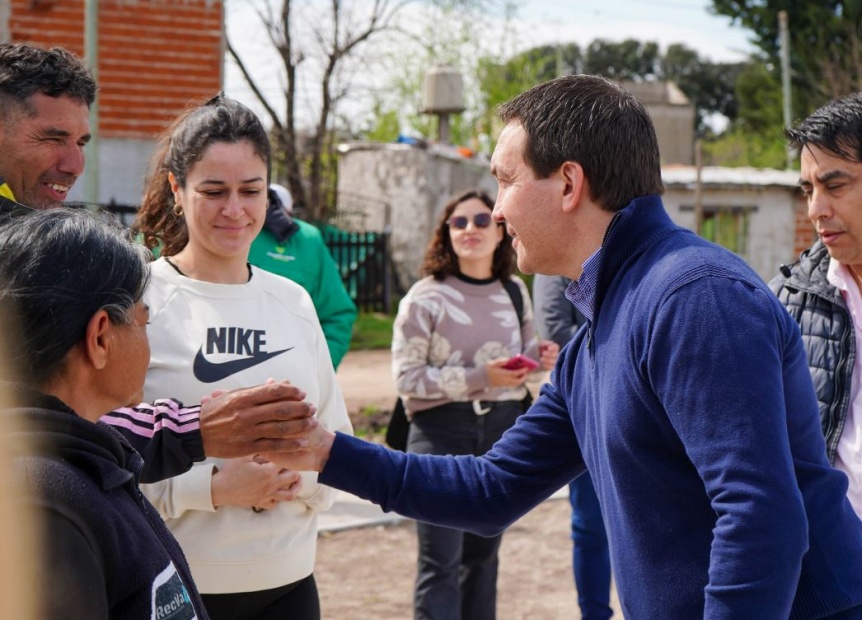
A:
[784, 38]
[698, 186]
[91, 54]
[443, 128]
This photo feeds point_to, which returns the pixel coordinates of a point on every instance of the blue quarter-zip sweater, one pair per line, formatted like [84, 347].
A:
[688, 397]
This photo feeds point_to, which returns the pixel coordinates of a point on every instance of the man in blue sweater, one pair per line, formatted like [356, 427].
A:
[686, 395]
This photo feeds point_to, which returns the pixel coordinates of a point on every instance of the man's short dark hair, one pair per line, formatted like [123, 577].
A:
[835, 128]
[26, 70]
[594, 122]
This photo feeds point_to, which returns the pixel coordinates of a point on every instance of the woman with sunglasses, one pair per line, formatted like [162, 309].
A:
[455, 331]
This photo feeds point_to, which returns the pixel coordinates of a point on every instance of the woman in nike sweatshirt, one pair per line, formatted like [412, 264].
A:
[248, 528]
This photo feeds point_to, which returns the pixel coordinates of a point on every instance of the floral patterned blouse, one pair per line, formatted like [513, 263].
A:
[446, 331]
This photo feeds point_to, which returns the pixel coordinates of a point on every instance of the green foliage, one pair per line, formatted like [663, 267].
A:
[825, 43]
[386, 127]
[372, 331]
[739, 147]
[627, 60]
[369, 411]
[747, 93]
[710, 86]
[758, 92]
[756, 136]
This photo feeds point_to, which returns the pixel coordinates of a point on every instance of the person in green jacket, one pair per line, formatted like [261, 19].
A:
[295, 250]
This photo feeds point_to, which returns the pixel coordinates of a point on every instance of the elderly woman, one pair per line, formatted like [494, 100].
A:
[73, 284]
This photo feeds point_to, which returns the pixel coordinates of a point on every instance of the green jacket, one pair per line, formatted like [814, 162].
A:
[304, 258]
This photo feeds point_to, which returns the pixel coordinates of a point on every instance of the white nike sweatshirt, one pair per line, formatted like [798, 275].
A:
[208, 336]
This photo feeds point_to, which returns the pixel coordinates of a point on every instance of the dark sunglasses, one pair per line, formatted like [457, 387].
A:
[480, 220]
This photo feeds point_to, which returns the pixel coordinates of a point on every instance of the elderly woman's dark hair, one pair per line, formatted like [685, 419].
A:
[220, 119]
[440, 259]
[57, 269]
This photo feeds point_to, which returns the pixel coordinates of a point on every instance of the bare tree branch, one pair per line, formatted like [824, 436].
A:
[253, 85]
[306, 170]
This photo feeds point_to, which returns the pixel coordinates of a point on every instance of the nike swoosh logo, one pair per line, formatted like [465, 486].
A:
[210, 372]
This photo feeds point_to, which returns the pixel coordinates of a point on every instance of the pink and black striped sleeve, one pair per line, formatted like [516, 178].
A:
[166, 433]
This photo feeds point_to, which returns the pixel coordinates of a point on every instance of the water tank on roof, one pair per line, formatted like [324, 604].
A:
[443, 91]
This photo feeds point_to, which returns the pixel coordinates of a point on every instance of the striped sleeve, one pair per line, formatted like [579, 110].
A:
[166, 433]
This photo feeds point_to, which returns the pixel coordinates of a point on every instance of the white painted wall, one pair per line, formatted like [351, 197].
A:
[771, 226]
[122, 169]
[415, 184]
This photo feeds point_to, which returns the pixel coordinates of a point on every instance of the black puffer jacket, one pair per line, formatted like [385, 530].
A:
[108, 554]
[827, 333]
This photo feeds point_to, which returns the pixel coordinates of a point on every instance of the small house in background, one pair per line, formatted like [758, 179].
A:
[673, 116]
[155, 58]
[759, 214]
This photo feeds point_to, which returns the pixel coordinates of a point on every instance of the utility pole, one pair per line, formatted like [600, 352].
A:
[91, 54]
[698, 186]
[784, 37]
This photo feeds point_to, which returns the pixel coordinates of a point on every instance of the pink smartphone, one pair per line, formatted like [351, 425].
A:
[520, 361]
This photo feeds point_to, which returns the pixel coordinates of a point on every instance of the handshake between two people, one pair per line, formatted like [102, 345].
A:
[272, 420]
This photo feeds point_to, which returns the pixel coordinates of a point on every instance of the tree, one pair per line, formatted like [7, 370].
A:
[626, 60]
[755, 136]
[333, 37]
[498, 82]
[710, 86]
[825, 43]
[444, 33]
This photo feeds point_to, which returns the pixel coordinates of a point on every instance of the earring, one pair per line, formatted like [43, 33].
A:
[178, 209]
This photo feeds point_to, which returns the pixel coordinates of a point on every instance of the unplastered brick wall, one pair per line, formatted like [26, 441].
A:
[155, 56]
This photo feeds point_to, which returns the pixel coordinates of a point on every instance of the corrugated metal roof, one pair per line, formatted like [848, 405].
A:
[685, 176]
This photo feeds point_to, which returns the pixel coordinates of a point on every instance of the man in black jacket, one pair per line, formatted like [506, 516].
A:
[821, 290]
[45, 98]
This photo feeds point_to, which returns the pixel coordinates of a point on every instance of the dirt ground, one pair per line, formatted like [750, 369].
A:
[368, 573]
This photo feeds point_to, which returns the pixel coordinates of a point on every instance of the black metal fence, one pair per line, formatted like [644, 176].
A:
[125, 213]
[365, 265]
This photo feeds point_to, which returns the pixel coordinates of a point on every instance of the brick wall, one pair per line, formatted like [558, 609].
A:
[155, 56]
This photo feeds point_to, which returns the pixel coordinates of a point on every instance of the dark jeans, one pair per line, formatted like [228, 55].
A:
[295, 601]
[457, 571]
[590, 557]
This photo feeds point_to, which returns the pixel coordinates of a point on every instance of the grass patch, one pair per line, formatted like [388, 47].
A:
[370, 423]
[372, 330]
